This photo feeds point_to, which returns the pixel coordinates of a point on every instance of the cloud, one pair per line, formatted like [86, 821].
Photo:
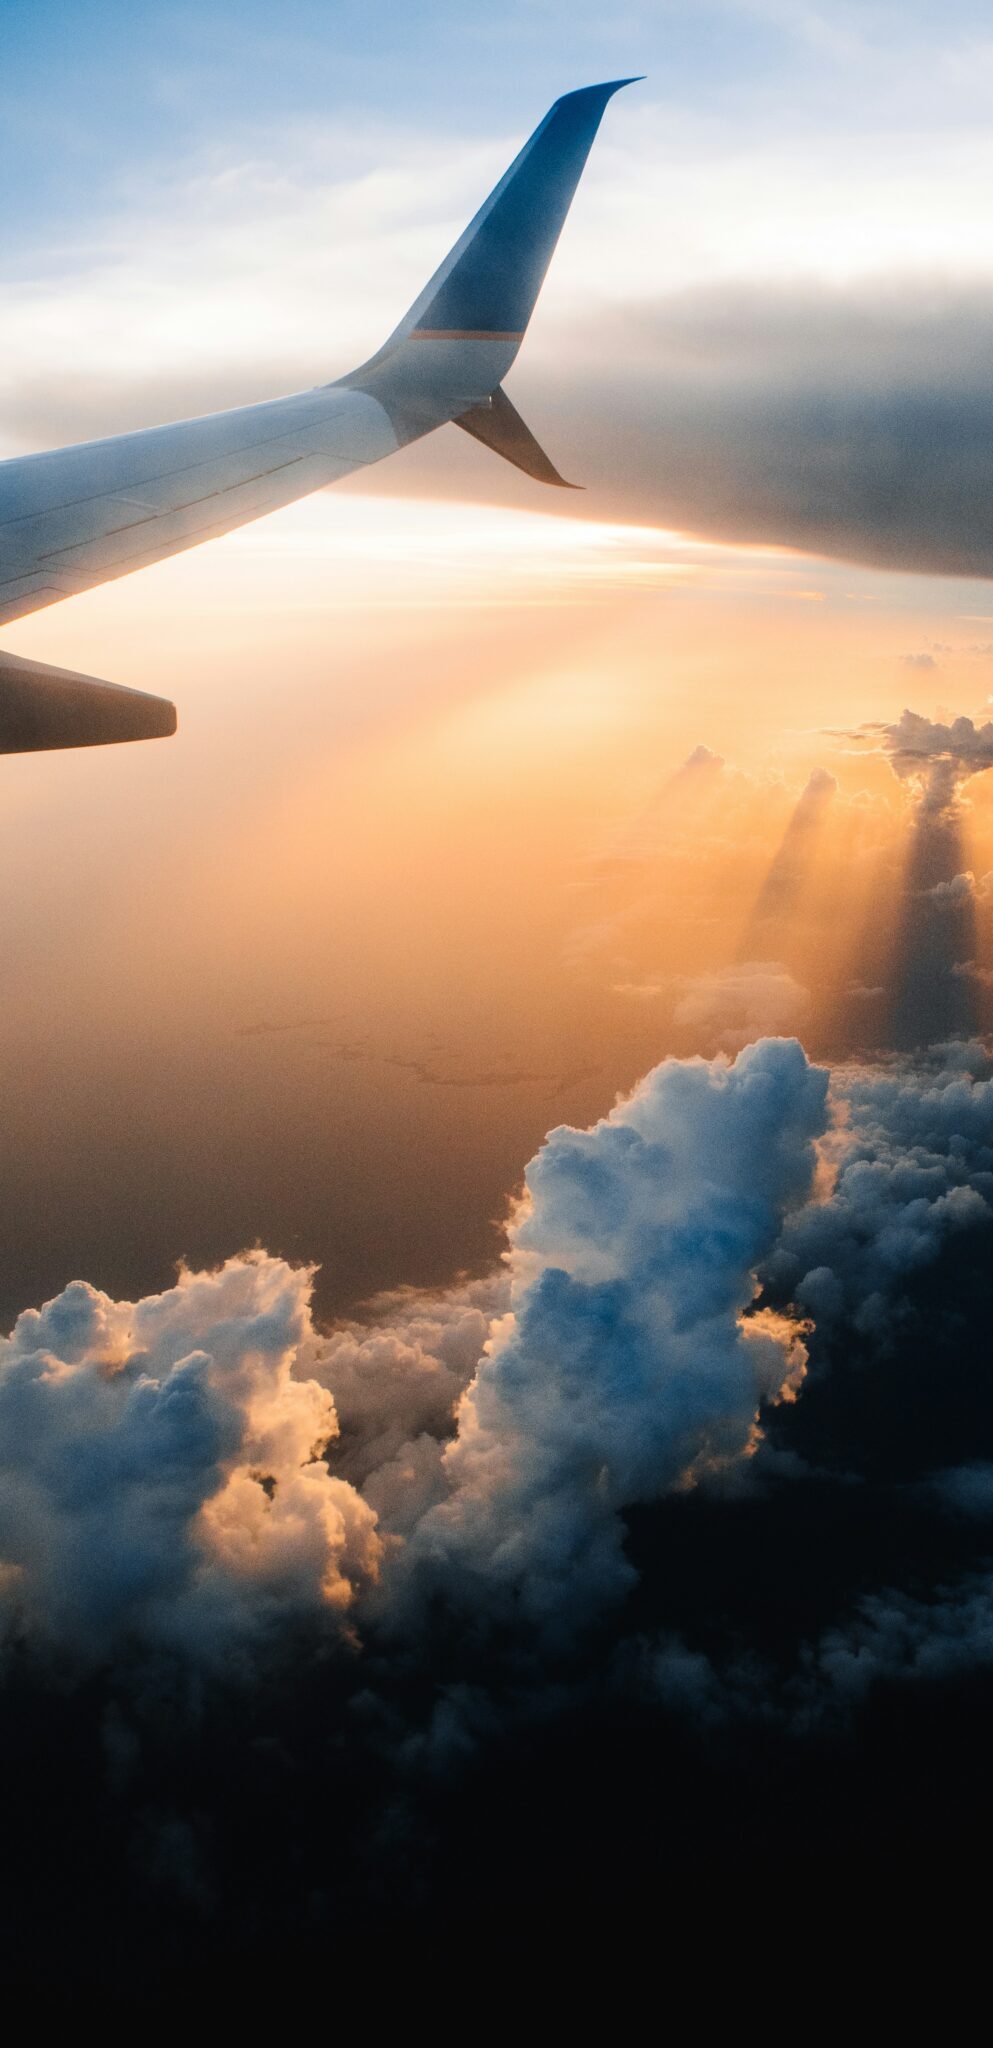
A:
[702, 757]
[606, 1502]
[162, 1474]
[204, 1472]
[912, 1160]
[845, 421]
[960, 888]
[967, 1490]
[837, 414]
[627, 1366]
[937, 755]
[731, 1005]
[396, 1383]
[891, 1638]
[788, 876]
[898, 1638]
[207, 1475]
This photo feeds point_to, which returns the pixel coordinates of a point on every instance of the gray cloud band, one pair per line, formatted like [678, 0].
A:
[854, 423]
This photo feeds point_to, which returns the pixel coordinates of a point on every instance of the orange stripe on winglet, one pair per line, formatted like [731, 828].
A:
[464, 334]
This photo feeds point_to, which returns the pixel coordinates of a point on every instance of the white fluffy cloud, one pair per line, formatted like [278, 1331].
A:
[162, 1477]
[627, 1365]
[397, 1381]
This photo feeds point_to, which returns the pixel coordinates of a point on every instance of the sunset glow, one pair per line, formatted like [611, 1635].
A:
[497, 1168]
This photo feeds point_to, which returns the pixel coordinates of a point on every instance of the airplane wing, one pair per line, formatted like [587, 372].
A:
[84, 515]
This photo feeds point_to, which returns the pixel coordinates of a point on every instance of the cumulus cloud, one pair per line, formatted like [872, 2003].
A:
[208, 1475]
[627, 1365]
[397, 1380]
[911, 1156]
[594, 1505]
[936, 756]
[163, 1481]
[202, 1468]
[961, 888]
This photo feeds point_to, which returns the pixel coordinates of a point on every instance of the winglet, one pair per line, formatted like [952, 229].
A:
[499, 426]
[488, 283]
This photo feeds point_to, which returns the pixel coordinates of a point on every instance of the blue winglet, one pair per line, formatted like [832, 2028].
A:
[488, 283]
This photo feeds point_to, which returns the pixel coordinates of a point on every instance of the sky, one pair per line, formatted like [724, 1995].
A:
[526, 1036]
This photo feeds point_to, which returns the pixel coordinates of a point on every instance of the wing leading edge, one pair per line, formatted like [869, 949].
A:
[84, 515]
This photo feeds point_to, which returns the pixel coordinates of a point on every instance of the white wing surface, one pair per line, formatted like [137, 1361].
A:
[84, 515]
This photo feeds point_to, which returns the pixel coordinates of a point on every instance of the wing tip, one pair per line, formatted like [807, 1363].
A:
[43, 709]
[605, 89]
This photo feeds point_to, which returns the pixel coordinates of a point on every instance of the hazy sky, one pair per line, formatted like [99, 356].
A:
[621, 1564]
[410, 884]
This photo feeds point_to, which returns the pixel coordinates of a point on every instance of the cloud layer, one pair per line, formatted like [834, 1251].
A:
[206, 1474]
[165, 1477]
[314, 1622]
